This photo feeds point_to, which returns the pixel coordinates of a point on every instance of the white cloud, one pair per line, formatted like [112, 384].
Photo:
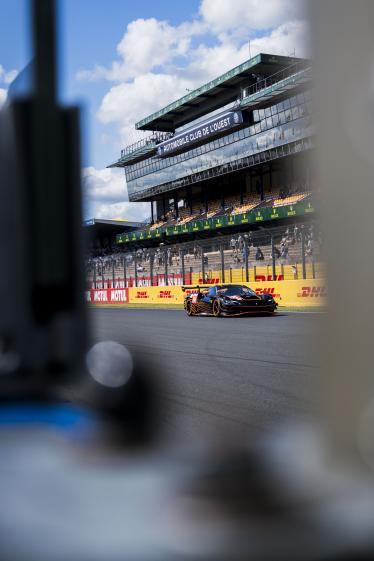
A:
[7, 77]
[3, 96]
[129, 101]
[105, 196]
[145, 45]
[133, 212]
[289, 38]
[249, 15]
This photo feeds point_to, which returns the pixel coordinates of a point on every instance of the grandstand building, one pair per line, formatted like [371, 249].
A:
[227, 156]
[226, 172]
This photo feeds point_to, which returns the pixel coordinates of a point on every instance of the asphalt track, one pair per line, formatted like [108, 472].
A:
[222, 377]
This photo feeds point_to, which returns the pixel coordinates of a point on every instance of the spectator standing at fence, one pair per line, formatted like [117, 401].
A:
[259, 255]
[309, 248]
[284, 251]
[296, 233]
[233, 245]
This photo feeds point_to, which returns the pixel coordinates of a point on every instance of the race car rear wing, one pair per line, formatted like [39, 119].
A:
[195, 287]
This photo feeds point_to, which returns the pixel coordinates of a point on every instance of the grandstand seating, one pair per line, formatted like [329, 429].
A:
[291, 199]
[232, 206]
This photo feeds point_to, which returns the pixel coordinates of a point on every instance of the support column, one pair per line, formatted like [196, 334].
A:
[151, 260]
[246, 260]
[166, 268]
[124, 271]
[163, 205]
[176, 204]
[189, 195]
[222, 263]
[136, 269]
[273, 258]
[222, 197]
[181, 257]
[152, 218]
[303, 253]
[202, 265]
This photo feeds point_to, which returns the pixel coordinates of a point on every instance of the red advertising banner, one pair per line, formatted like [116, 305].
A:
[107, 296]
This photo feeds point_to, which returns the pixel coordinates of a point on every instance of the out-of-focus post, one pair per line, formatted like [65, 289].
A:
[124, 271]
[344, 106]
[94, 274]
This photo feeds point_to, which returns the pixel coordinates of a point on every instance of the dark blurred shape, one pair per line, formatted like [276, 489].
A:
[42, 322]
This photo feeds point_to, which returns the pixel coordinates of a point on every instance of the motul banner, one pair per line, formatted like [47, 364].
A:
[304, 293]
[107, 296]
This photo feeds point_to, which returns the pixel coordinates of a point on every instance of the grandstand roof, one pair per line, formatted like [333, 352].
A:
[101, 227]
[214, 94]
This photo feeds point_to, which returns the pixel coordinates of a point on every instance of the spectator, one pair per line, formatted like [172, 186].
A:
[284, 251]
[259, 255]
[296, 233]
[233, 245]
[309, 248]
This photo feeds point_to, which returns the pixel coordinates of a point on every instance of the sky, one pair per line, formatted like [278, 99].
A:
[121, 61]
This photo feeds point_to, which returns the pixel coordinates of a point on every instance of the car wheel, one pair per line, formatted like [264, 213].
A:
[189, 311]
[216, 308]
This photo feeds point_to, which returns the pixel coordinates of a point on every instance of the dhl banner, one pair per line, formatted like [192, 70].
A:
[305, 293]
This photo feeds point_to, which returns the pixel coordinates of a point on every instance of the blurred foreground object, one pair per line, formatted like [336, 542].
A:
[66, 492]
[343, 39]
[42, 337]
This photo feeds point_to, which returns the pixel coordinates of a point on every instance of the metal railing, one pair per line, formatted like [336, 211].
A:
[293, 252]
[277, 78]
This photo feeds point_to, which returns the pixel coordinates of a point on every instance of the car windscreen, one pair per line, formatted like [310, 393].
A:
[236, 290]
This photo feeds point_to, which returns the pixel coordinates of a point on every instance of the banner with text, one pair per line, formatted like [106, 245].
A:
[214, 126]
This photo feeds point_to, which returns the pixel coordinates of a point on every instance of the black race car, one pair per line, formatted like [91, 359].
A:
[226, 300]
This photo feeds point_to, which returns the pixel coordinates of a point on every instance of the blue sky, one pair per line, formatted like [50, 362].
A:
[122, 60]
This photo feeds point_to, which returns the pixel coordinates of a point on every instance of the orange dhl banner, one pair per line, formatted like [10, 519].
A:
[156, 295]
[286, 293]
[305, 293]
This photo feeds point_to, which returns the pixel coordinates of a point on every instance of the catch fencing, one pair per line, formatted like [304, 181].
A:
[282, 253]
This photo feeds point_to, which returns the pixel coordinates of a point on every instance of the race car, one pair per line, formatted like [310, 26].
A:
[226, 300]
